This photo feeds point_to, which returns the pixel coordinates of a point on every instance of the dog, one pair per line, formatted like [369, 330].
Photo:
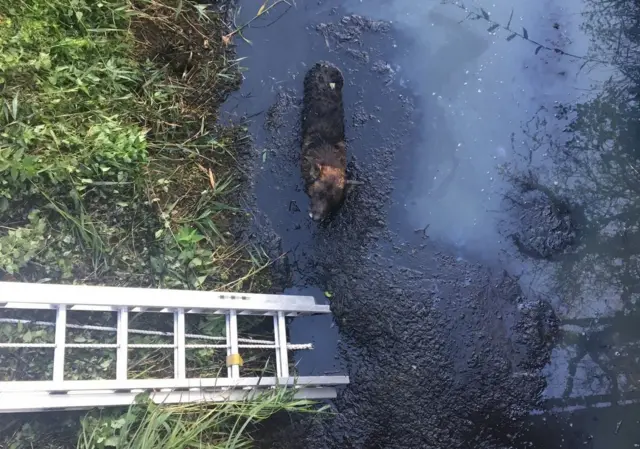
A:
[324, 151]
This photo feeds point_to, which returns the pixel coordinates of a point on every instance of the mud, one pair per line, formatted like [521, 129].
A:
[359, 55]
[350, 29]
[361, 116]
[545, 223]
[384, 68]
[441, 352]
[274, 117]
[449, 355]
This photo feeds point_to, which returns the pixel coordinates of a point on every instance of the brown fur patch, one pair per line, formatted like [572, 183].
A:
[335, 174]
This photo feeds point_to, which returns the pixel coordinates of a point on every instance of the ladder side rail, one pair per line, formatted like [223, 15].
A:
[16, 294]
[39, 402]
[240, 308]
[153, 384]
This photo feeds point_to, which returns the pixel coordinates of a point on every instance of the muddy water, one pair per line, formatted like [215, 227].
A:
[442, 116]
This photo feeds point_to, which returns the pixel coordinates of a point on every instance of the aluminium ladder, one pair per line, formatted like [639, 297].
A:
[60, 393]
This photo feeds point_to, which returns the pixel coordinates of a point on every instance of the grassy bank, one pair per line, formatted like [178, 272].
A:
[113, 170]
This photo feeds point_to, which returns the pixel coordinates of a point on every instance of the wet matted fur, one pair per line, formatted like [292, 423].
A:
[324, 153]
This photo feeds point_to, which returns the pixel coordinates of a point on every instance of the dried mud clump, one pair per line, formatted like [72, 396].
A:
[546, 224]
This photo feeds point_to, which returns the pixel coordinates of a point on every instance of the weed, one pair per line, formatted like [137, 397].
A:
[224, 425]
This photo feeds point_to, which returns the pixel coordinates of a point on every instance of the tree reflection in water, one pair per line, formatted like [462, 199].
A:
[595, 151]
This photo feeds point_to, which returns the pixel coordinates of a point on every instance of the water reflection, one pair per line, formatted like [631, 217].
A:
[596, 165]
[579, 135]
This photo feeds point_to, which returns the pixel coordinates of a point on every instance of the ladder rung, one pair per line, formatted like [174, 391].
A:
[282, 356]
[180, 356]
[233, 371]
[60, 340]
[122, 335]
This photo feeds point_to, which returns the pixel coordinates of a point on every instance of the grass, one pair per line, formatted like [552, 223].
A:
[149, 426]
[112, 167]
[145, 425]
[113, 170]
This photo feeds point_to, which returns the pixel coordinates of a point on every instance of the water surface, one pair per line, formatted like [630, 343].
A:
[557, 99]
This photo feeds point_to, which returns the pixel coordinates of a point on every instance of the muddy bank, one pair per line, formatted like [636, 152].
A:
[448, 354]
[440, 354]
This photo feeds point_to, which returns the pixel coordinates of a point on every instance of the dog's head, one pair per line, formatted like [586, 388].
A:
[326, 191]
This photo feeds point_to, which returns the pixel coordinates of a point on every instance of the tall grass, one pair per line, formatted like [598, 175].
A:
[224, 425]
[227, 425]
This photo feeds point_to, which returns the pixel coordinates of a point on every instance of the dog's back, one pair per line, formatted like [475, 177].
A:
[323, 111]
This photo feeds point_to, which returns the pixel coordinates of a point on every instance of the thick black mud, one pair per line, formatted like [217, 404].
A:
[442, 272]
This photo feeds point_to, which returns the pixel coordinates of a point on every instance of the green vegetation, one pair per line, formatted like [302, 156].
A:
[148, 426]
[112, 168]
[114, 171]
[145, 425]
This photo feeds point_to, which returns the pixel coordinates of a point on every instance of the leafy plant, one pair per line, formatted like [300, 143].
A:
[20, 245]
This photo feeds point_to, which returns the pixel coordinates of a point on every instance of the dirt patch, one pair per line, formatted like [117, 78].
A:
[285, 101]
[359, 55]
[350, 29]
[384, 68]
[456, 344]
[192, 52]
[360, 116]
[546, 226]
